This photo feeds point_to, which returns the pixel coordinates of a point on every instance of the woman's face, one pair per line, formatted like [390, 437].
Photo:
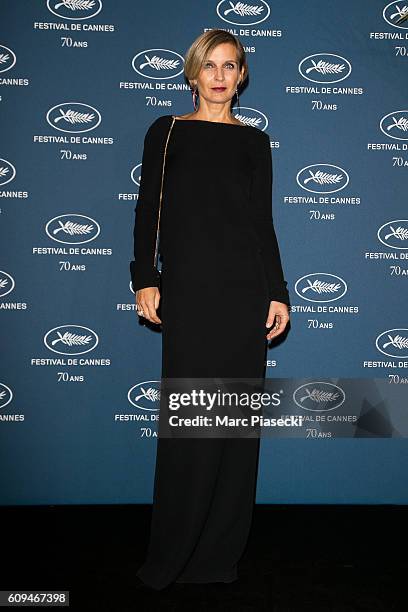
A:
[219, 74]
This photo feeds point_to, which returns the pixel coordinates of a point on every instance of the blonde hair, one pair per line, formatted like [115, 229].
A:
[202, 47]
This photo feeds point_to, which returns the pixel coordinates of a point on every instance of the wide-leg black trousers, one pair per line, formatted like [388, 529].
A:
[204, 488]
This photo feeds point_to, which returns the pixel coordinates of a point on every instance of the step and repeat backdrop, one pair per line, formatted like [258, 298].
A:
[80, 83]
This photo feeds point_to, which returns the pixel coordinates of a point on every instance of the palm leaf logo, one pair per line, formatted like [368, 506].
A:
[321, 287]
[325, 67]
[72, 339]
[4, 170]
[3, 282]
[2, 394]
[4, 57]
[74, 117]
[398, 341]
[319, 396]
[401, 124]
[73, 228]
[244, 9]
[402, 14]
[160, 63]
[323, 178]
[76, 5]
[151, 394]
[251, 121]
[401, 233]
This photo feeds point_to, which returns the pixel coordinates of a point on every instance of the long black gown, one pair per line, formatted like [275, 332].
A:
[221, 267]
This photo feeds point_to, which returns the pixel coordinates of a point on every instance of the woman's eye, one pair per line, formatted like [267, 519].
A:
[209, 65]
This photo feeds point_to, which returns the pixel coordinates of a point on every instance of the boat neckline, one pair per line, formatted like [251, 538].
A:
[206, 121]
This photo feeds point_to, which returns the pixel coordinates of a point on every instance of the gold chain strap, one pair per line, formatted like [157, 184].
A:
[161, 191]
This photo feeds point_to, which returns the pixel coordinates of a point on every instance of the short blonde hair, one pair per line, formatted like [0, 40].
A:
[202, 47]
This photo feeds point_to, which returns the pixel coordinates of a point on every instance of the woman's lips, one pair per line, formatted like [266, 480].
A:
[218, 88]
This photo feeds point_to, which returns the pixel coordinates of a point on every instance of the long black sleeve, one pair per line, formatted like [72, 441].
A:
[261, 207]
[142, 270]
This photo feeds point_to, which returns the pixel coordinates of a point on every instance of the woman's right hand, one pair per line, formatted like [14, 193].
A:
[148, 300]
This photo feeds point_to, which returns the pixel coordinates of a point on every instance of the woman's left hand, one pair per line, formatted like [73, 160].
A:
[279, 312]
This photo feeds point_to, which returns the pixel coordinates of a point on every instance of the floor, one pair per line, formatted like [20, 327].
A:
[298, 558]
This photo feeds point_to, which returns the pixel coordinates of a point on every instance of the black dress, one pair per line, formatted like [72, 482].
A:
[220, 268]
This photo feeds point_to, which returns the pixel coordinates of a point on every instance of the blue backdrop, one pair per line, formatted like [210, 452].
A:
[81, 80]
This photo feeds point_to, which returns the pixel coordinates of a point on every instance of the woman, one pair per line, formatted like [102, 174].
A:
[221, 285]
